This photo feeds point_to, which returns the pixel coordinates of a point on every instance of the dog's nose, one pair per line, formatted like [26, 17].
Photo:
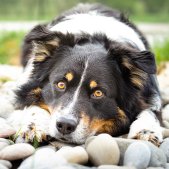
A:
[66, 126]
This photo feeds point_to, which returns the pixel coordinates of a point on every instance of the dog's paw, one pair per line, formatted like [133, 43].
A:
[31, 124]
[148, 135]
[31, 133]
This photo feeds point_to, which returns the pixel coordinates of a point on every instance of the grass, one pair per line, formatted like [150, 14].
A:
[161, 51]
[11, 45]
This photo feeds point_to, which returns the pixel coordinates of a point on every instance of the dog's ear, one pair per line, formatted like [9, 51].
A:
[44, 42]
[134, 64]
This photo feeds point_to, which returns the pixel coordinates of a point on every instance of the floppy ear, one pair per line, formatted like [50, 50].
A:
[43, 42]
[134, 64]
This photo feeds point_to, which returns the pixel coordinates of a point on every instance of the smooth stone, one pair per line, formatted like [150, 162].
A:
[103, 150]
[3, 145]
[6, 141]
[74, 155]
[137, 155]
[123, 144]
[114, 167]
[6, 163]
[165, 148]
[165, 116]
[155, 168]
[75, 166]
[5, 129]
[43, 158]
[158, 158]
[3, 167]
[16, 151]
[167, 166]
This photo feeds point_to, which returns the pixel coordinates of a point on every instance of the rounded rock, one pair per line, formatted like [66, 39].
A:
[114, 167]
[16, 151]
[6, 141]
[158, 158]
[123, 144]
[165, 148]
[43, 158]
[137, 155]
[3, 145]
[76, 154]
[3, 167]
[103, 149]
[6, 163]
[5, 129]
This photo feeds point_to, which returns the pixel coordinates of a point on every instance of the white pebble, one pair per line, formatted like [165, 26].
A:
[76, 154]
[6, 163]
[5, 129]
[103, 149]
[165, 148]
[43, 158]
[16, 151]
[137, 155]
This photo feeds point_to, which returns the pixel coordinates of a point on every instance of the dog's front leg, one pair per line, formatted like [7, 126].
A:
[31, 123]
[146, 127]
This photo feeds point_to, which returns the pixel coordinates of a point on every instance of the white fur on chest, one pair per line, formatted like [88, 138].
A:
[94, 23]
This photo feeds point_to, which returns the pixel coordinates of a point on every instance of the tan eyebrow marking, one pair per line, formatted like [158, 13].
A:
[69, 76]
[93, 84]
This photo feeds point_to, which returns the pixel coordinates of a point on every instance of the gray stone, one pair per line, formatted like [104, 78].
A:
[3, 145]
[103, 149]
[5, 129]
[167, 166]
[6, 163]
[123, 144]
[158, 158]
[74, 155]
[16, 151]
[114, 167]
[6, 141]
[165, 116]
[155, 168]
[74, 166]
[137, 155]
[165, 148]
[3, 167]
[43, 158]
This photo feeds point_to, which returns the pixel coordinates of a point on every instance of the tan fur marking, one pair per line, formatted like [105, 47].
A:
[126, 63]
[37, 91]
[54, 42]
[40, 58]
[40, 48]
[69, 76]
[44, 106]
[93, 84]
[138, 77]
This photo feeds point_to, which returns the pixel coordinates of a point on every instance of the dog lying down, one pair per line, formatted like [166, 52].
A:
[89, 71]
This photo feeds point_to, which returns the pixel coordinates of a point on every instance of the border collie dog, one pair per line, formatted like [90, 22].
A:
[89, 71]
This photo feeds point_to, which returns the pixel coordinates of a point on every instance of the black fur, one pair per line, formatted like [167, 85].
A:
[107, 67]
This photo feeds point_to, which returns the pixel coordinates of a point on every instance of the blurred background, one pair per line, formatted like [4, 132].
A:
[17, 17]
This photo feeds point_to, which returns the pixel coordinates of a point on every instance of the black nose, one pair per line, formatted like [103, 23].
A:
[66, 126]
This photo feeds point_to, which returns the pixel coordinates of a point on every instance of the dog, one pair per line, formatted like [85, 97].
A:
[87, 72]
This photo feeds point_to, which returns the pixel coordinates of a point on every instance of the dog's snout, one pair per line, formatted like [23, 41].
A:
[66, 126]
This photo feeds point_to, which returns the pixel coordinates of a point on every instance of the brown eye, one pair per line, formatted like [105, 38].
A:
[98, 94]
[61, 85]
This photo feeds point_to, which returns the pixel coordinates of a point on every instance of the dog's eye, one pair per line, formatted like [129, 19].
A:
[97, 94]
[61, 85]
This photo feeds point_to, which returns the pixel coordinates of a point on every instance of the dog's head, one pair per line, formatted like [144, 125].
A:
[89, 84]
